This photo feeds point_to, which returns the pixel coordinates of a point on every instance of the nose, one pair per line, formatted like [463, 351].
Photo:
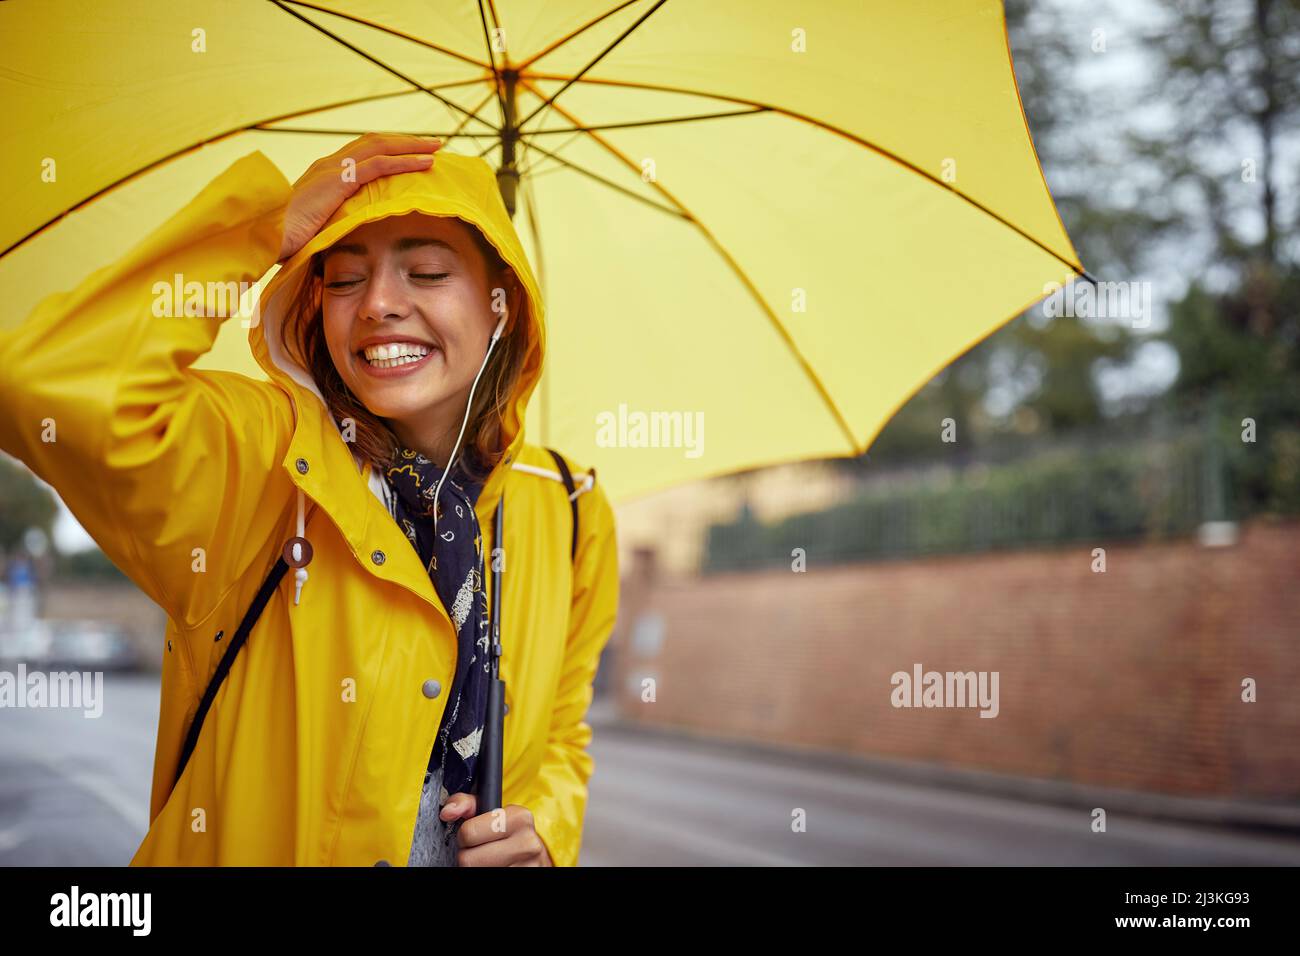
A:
[385, 296]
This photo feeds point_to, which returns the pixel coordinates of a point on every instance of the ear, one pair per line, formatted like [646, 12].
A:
[514, 292]
[509, 281]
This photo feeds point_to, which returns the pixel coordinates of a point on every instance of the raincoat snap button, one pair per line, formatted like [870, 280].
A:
[377, 557]
[301, 465]
[432, 688]
[382, 863]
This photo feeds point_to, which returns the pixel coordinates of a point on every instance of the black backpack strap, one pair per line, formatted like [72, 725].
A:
[228, 659]
[567, 475]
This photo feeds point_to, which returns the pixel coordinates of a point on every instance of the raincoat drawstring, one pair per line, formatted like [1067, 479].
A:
[299, 575]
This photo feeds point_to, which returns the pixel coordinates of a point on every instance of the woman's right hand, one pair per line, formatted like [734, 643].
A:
[332, 179]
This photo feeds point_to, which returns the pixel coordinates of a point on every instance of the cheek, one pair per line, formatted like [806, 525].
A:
[337, 328]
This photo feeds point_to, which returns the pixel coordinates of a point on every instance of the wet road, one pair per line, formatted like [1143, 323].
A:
[75, 791]
[679, 803]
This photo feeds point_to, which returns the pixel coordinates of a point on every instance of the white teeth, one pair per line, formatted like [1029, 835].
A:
[393, 363]
[395, 353]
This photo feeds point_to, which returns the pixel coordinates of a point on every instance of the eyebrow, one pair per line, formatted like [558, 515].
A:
[401, 245]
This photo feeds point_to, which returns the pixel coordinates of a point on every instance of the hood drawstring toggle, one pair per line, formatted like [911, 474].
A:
[297, 551]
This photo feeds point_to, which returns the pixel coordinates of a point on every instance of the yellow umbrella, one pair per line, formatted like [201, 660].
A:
[759, 226]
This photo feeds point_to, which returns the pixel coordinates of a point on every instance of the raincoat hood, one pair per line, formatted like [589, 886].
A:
[456, 185]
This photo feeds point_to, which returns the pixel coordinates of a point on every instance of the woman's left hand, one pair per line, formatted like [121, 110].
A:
[503, 837]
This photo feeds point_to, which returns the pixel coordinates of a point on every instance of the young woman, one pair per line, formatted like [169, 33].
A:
[402, 338]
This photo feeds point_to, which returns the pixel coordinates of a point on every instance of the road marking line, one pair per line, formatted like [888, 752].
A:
[107, 793]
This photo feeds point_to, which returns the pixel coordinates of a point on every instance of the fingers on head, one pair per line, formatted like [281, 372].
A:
[378, 146]
[385, 165]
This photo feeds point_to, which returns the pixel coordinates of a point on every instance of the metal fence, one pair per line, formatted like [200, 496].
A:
[1160, 479]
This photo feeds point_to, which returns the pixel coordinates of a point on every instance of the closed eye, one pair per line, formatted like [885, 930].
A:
[431, 276]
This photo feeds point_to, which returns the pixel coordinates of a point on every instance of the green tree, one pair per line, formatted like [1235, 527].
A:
[1036, 375]
[24, 504]
[1236, 330]
[1232, 70]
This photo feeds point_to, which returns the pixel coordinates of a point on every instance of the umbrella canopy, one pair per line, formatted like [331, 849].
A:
[759, 226]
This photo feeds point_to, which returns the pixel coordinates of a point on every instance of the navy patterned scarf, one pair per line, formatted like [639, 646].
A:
[454, 561]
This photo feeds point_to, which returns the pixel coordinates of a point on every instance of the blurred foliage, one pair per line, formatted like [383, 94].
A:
[91, 564]
[1235, 70]
[1239, 350]
[27, 503]
[1231, 70]
[1037, 375]
[1177, 176]
[24, 504]
[1224, 76]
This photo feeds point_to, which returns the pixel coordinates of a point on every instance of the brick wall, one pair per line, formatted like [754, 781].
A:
[1129, 678]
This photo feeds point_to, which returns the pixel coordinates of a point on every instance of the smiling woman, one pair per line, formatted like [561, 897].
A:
[392, 321]
[395, 320]
[401, 340]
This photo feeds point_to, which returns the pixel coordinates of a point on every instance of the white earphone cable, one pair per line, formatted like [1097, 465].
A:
[464, 422]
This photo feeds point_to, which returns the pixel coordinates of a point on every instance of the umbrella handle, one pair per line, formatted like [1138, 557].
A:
[490, 753]
[492, 747]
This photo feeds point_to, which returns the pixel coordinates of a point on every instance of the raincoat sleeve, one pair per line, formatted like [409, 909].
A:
[558, 796]
[162, 464]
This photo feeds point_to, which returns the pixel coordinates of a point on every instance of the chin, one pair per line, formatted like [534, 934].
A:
[396, 398]
[401, 403]
[397, 407]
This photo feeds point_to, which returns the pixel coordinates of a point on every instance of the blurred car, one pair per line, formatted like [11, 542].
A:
[30, 643]
[89, 645]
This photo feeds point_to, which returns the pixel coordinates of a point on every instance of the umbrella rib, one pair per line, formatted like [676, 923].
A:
[538, 169]
[487, 44]
[530, 169]
[258, 126]
[582, 29]
[633, 124]
[735, 267]
[459, 131]
[535, 231]
[851, 137]
[377, 62]
[334, 131]
[539, 270]
[608, 182]
[594, 60]
[389, 30]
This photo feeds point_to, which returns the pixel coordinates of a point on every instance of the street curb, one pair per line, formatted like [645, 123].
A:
[1240, 814]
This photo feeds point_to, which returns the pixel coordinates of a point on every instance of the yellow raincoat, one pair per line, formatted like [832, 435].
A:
[317, 744]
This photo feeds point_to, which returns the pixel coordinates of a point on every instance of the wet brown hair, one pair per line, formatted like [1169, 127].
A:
[302, 335]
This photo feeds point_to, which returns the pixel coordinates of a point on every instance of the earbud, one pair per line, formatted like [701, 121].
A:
[500, 325]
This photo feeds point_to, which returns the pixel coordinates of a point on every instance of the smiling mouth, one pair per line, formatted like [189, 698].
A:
[394, 354]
